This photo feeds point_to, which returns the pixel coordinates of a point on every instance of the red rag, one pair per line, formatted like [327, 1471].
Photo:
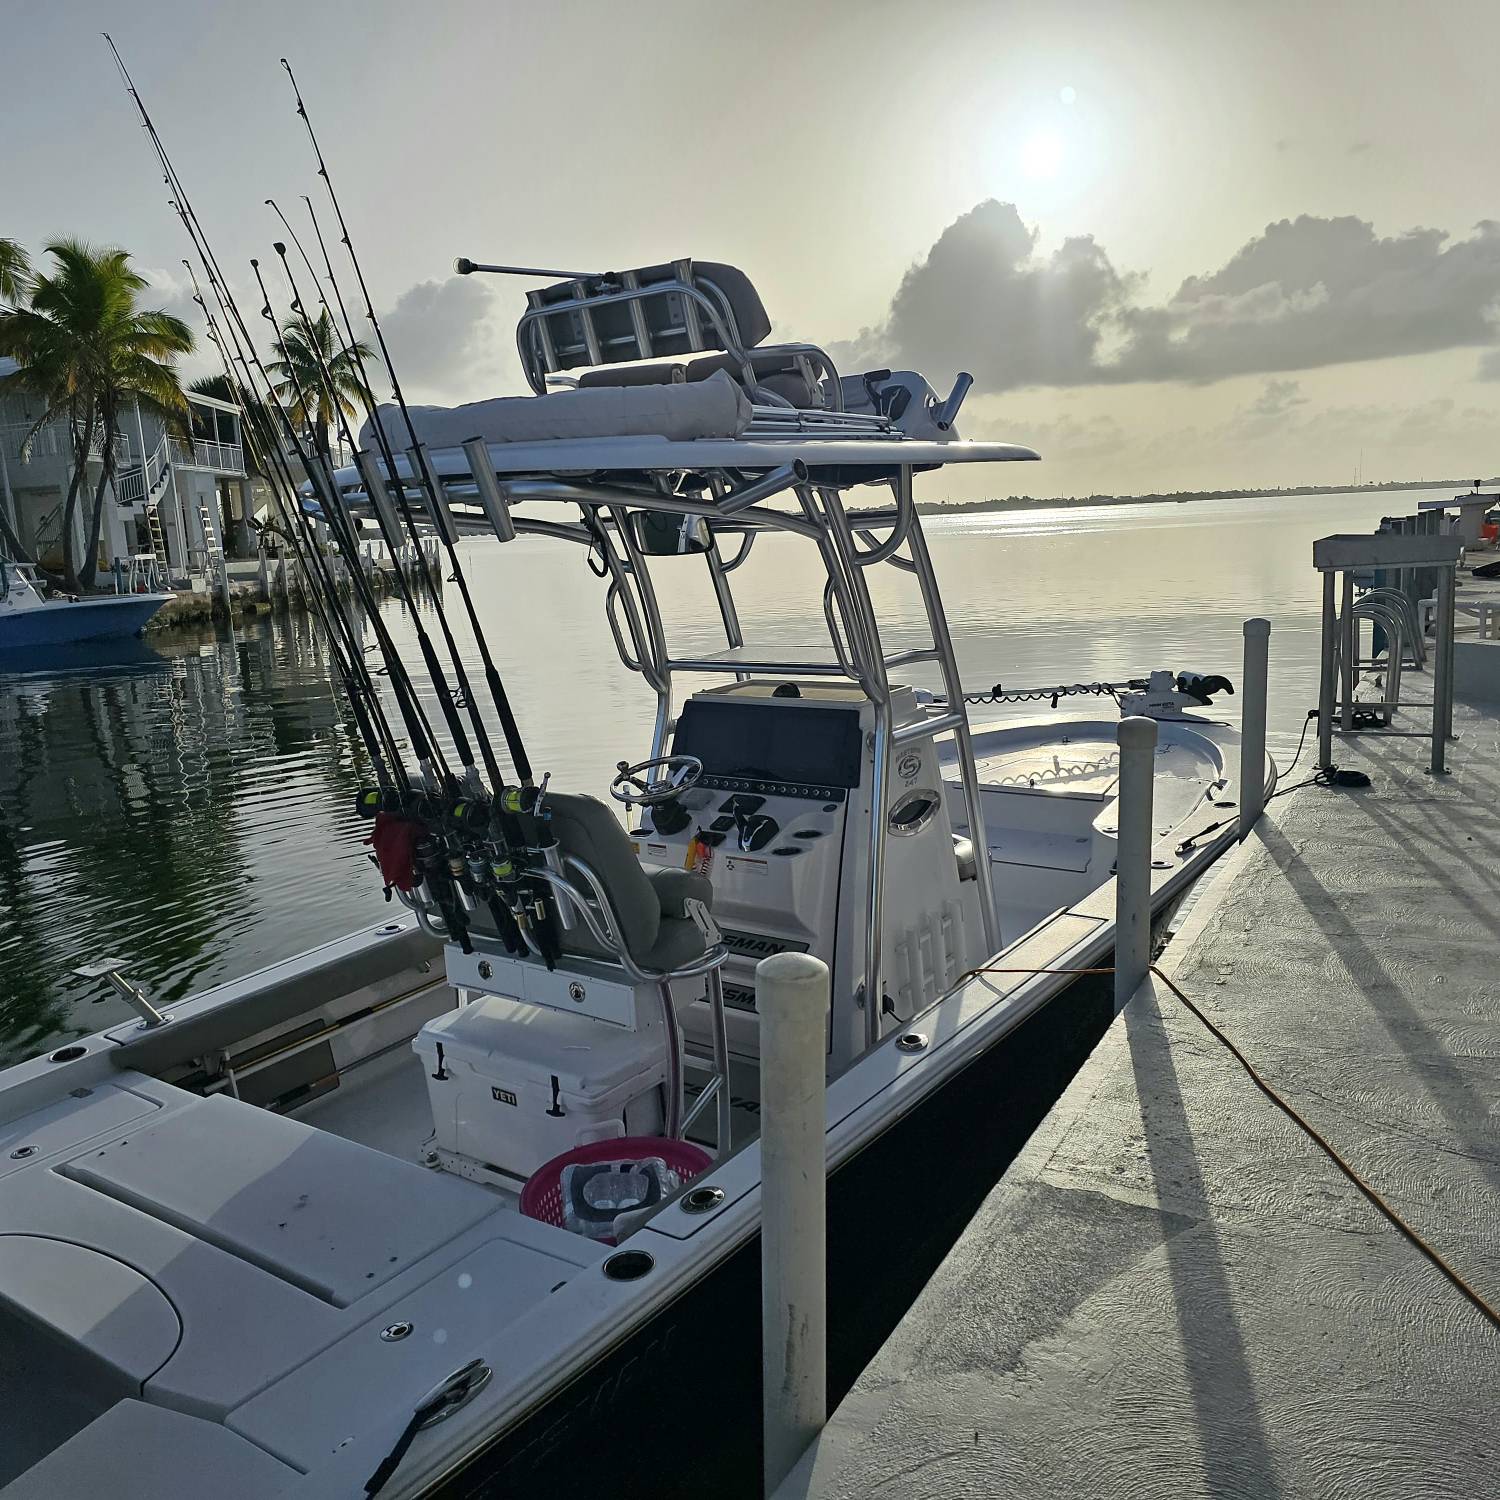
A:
[394, 840]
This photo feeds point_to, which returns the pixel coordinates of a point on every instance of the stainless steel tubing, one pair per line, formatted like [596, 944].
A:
[491, 496]
[763, 488]
[1348, 641]
[1326, 675]
[944, 416]
[466, 267]
[427, 479]
[1442, 679]
[725, 1118]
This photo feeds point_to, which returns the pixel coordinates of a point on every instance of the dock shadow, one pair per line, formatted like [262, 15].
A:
[1403, 1021]
[1231, 1437]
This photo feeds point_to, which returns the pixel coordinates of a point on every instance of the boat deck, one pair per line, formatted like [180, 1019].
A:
[1173, 1291]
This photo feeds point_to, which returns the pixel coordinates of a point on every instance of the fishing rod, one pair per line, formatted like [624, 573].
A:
[406, 699]
[325, 374]
[431, 844]
[531, 905]
[413, 812]
[489, 875]
[333, 513]
[355, 689]
[414, 720]
[425, 475]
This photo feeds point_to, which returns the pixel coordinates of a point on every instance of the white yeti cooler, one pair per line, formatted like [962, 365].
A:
[520, 1084]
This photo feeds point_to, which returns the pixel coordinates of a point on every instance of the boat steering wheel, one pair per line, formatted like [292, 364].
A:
[637, 786]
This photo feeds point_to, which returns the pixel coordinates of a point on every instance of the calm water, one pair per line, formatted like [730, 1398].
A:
[188, 806]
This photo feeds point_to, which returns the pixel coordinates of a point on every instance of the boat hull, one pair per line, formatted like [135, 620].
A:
[694, 1370]
[62, 624]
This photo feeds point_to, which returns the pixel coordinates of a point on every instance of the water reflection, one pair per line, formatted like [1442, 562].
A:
[189, 806]
[149, 794]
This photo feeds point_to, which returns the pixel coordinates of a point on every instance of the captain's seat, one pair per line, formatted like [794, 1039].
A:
[649, 913]
[655, 926]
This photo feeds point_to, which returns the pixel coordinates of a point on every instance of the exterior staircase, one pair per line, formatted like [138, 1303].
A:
[140, 491]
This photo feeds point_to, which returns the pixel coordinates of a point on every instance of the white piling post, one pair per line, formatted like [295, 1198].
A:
[791, 995]
[265, 576]
[1137, 737]
[1253, 723]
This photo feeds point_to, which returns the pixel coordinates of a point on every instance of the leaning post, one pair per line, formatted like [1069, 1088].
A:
[1137, 739]
[791, 994]
[1253, 723]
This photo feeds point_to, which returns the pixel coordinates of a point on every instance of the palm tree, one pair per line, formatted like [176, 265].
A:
[309, 349]
[15, 272]
[15, 284]
[88, 351]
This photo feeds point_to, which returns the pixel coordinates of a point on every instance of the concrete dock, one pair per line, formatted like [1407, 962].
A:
[1173, 1291]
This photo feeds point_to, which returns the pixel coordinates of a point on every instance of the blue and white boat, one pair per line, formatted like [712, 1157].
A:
[29, 619]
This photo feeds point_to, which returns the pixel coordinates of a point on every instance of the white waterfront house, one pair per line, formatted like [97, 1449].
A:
[174, 495]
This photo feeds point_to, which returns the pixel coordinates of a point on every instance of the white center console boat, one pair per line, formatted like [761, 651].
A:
[271, 1243]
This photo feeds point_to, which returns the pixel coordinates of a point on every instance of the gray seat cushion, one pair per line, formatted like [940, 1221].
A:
[656, 930]
[673, 887]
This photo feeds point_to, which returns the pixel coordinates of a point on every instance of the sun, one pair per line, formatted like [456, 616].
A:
[1042, 154]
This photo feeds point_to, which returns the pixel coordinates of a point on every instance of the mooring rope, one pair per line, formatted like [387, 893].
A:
[1486, 1308]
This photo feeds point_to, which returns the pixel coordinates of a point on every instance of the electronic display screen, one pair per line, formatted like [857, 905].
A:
[771, 741]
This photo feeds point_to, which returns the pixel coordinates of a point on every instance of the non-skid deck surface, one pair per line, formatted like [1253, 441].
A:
[1172, 1292]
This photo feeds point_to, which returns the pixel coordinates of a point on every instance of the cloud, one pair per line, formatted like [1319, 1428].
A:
[444, 338]
[1277, 398]
[1305, 293]
[984, 299]
[1310, 292]
[1489, 366]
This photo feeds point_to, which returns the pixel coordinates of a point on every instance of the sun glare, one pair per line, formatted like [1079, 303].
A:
[1042, 154]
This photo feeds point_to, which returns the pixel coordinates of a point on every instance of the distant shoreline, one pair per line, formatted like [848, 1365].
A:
[1185, 497]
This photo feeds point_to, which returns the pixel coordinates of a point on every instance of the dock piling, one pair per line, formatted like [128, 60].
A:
[1253, 722]
[791, 994]
[1137, 739]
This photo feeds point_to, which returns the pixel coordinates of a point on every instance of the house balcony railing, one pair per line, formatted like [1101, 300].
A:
[53, 441]
[203, 453]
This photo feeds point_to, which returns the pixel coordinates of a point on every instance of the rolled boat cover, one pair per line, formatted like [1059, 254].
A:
[714, 408]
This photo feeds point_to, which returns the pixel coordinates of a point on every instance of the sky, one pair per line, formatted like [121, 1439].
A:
[1179, 246]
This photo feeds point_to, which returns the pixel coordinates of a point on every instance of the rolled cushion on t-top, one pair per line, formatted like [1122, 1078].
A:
[716, 408]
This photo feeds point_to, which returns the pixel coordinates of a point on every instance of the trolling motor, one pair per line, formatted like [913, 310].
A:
[1164, 695]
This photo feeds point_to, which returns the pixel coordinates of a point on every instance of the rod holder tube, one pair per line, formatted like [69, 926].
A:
[491, 495]
[764, 487]
[1137, 739]
[380, 499]
[791, 995]
[426, 478]
[1253, 723]
[944, 416]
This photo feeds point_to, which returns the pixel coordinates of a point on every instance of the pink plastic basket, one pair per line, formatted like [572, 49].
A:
[541, 1198]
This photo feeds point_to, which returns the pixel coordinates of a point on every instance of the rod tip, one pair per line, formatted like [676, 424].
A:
[279, 246]
[463, 265]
